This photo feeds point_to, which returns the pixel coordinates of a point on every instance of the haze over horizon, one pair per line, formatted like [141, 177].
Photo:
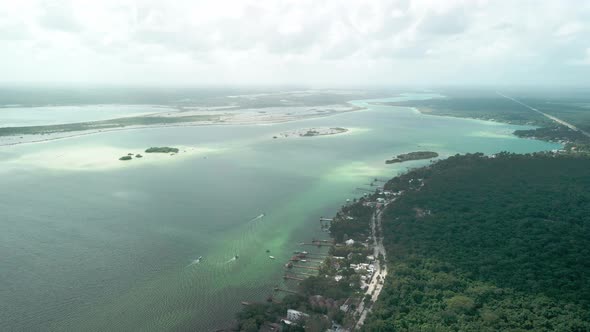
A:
[295, 42]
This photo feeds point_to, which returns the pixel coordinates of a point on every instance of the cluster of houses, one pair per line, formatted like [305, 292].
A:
[296, 317]
[367, 270]
[383, 195]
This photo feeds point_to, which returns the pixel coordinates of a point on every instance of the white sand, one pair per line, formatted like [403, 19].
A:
[491, 134]
[242, 117]
[322, 132]
[356, 170]
[99, 157]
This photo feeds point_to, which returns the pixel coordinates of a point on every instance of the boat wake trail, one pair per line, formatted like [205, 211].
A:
[257, 218]
[195, 262]
[233, 259]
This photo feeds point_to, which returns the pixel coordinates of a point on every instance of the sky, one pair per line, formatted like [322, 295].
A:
[316, 43]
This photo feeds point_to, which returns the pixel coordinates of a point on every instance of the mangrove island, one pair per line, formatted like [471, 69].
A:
[418, 155]
[163, 149]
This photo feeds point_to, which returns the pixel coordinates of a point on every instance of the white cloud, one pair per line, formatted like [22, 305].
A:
[570, 29]
[291, 41]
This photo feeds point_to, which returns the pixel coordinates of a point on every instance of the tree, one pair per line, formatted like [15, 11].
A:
[249, 325]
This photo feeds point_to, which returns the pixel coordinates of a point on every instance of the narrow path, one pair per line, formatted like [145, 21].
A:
[550, 117]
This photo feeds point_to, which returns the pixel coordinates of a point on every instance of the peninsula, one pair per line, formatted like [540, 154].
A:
[417, 155]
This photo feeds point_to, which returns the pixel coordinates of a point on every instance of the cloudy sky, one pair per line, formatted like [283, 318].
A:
[317, 42]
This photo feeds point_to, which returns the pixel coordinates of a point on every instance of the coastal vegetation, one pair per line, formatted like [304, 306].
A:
[322, 131]
[493, 108]
[321, 296]
[503, 246]
[312, 132]
[418, 155]
[554, 132]
[163, 149]
[104, 125]
[502, 109]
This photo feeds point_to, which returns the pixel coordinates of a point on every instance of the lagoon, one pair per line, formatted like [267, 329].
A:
[89, 246]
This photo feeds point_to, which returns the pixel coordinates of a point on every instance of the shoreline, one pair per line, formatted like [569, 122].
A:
[367, 276]
[282, 118]
[102, 158]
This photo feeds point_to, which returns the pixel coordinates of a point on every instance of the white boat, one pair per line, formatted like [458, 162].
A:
[271, 257]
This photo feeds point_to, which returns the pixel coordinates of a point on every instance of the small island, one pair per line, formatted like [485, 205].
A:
[417, 155]
[163, 149]
[125, 158]
[323, 131]
[312, 132]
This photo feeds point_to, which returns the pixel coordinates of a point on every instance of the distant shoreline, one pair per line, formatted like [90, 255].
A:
[253, 120]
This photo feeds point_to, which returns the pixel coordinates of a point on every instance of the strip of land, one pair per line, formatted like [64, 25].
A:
[550, 117]
[36, 134]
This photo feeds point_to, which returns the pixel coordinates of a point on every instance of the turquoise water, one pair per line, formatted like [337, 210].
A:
[111, 249]
[53, 115]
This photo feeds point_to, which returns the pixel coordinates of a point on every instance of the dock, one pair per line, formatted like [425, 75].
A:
[292, 278]
[303, 274]
[277, 289]
[306, 267]
[323, 241]
[319, 244]
[318, 255]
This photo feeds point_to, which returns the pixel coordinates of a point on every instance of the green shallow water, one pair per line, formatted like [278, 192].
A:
[111, 249]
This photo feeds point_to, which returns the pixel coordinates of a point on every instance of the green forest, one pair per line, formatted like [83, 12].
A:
[489, 107]
[505, 245]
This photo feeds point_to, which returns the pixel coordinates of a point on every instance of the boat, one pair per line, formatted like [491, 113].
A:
[271, 257]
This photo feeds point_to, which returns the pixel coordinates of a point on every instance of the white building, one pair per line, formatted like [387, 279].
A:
[349, 242]
[296, 316]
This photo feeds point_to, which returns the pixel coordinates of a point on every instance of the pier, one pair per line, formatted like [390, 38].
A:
[292, 278]
[316, 244]
[318, 255]
[303, 274]
[306, 267]
[277, 289]
[322, 241]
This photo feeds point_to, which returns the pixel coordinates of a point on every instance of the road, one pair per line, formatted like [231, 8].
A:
[375, 286]
[550, 117]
